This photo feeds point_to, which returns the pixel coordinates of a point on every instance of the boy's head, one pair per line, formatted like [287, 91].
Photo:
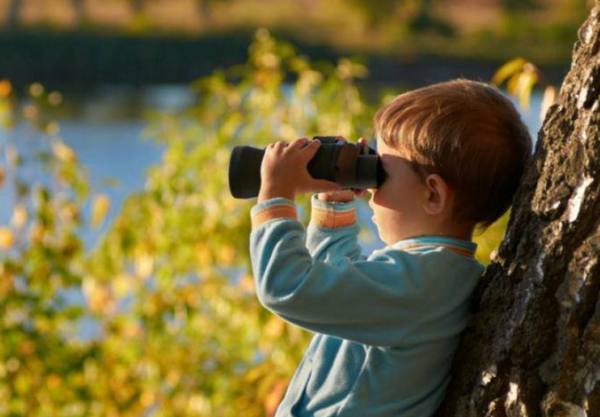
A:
[466, 134]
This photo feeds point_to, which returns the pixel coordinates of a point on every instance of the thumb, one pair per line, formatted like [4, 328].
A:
[323, 186]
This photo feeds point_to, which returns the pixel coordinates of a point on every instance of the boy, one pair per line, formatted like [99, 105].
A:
[387, 326]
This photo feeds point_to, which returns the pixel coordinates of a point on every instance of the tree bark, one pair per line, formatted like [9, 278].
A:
[14, 8]
[533, 346]
[137, 7]
[80, 13]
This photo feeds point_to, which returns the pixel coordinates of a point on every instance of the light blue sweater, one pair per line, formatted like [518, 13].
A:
[386, 326]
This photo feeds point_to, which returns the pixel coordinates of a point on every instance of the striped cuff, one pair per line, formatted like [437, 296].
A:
[274, 208]
[332, 215]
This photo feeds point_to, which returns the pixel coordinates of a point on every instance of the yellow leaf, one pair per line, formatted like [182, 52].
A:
[69, 212]
[1, 176]
[147, 398]
[100, 208]
[507, 70]
[274, 328]
[525, 86]
[203, 255]
[550, 95]
[38, 232]
[122, 285]
[5, 88]
[63, 152]
[36, 89]
[274, 397]
[54, 381]
[143, 265]
[55, 98]
[19, 216]
[246, 284]
[173, 377]
[132, 330]
[226, 255]
[98, 296]
[7, 240]
[513, 82]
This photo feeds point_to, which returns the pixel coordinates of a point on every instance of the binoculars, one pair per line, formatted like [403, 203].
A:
[350, 165]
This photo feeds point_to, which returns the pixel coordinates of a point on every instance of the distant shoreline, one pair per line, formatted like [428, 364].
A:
[77, 60]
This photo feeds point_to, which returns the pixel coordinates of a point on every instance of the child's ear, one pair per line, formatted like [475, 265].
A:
[438, 195]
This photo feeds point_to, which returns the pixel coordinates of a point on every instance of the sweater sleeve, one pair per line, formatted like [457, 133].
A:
[370, 301]
[332, 233]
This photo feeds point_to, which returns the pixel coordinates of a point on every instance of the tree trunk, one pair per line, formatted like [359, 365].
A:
[533, 347]
[80, 14]
[137, 7]
[203, 11]
[12, 19]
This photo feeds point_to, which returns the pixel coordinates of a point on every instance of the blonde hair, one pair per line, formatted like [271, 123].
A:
[467, 132]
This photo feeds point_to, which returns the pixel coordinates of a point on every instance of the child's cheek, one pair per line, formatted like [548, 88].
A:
[377, 198]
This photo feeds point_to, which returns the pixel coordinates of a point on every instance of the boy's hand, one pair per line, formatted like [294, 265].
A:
[283, 171]
[344, 196]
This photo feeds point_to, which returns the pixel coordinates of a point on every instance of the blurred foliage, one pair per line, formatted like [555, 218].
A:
[180, 247]
[43, 364]
[489, 239]
[542, 29]
[178, 329]
[521, 76]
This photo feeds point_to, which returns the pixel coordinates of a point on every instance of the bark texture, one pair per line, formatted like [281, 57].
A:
[533, 347]
[12, 19]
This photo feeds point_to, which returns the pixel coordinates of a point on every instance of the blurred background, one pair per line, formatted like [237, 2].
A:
[125, 286]
[76, 42]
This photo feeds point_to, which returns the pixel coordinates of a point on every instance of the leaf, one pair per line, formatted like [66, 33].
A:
[7, 238]
[5, 88]
[550, 95]
[98, 296]
[274, 397]
[524, 87]
[19, 216]
[513, 82]
[100, 208]
[143, 265]
[63, 152]
[1, 177]
[507, 70]
[122, 285]
[274, 328]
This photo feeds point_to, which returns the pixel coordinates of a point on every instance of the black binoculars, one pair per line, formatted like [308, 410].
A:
[350, 165]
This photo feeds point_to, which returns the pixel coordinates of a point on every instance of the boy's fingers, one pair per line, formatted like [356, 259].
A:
[312, 148]
[280, 144]
[298, 143]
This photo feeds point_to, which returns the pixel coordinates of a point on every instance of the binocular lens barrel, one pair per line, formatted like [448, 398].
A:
[351, 166]
[244, 171]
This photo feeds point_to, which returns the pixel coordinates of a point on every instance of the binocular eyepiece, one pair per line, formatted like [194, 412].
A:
[350, 165]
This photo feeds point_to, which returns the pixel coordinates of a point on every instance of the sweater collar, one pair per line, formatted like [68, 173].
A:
[462, 247]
